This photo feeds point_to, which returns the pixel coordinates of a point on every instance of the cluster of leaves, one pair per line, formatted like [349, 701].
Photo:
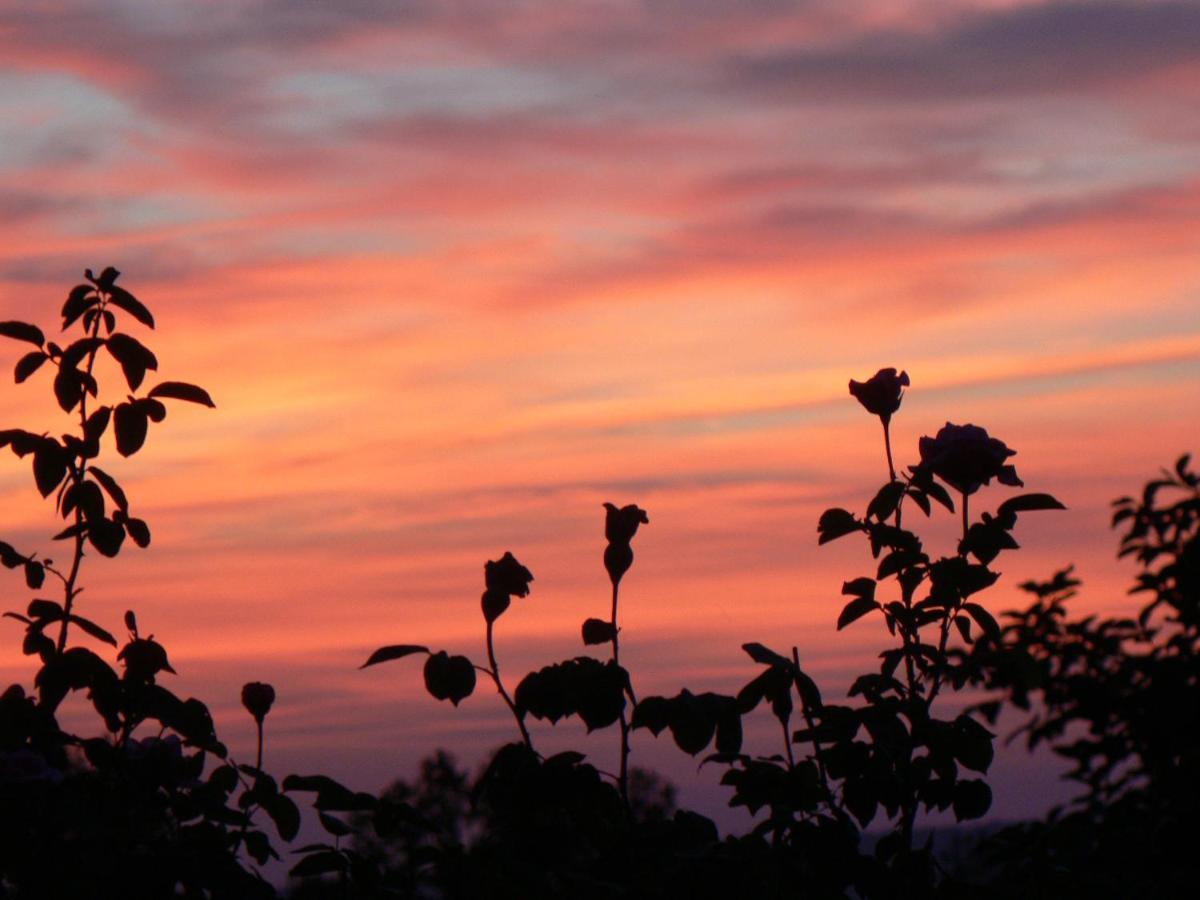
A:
[1119, 700]
[153, 805]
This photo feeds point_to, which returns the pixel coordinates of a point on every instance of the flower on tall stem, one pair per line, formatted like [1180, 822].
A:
[880, 395]
[966, 457]
[503, 578]
[620, 525]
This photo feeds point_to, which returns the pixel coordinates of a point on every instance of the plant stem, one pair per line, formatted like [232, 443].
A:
[966, 523]
[76, 475]
[623, 776]
[916, 712]
[258, 760]
[787, 744]
[495, 673]
[887, 446]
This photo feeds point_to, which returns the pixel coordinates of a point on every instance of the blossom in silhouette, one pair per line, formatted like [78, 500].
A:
[881, 393]
[507, 576]
[503, 578]
[258, 698]
[966, 457]
[620, 525]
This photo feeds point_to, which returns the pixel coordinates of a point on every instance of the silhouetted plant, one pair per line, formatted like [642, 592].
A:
[137, 811]
[155, 806]
[1118, 698]
[891, 752]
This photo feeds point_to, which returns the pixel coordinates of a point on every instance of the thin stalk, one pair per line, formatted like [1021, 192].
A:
[258, 759]
[623, 775]
[77, 474]
[965, 521]
[887, 446]
[495, 673]
[915, 712]
[787, 744]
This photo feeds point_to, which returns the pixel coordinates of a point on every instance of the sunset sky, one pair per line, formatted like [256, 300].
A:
[457, 273]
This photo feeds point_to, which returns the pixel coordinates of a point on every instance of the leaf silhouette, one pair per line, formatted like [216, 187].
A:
[93, 629]
[449, 677]
[130, 423]
[139, 531]
[122, 299]
[1028, 503]
[35, 574]
[178, 390]
[22, 331]
[766, 655]
[135, 358]
[49, 466]
[597, 631]
[111, 487]
[856, 609]
[82, 298]
[28, 364]
[97, 424]
[983, 619]
[106, 536]
[395, 651]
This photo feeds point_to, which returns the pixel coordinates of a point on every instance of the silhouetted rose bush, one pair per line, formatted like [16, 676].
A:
[153, 804]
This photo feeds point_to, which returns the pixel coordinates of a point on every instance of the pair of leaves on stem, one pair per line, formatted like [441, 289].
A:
[446, 677]
[131, 419]
[134, 358]
[35, 572]
[40, 615]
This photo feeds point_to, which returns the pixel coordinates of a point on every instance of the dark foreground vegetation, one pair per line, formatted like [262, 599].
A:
[151, 804]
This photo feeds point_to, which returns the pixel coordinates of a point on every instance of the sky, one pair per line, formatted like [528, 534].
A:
[457, 273]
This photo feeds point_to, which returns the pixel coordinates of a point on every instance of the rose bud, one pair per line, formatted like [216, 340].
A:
[257, 697]
[620, 525]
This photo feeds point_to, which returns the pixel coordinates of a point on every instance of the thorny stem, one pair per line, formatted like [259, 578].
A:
[76, 474]
[787, 744]
[495, 673]
[965, 521]
[258, 760]
[623, 776]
